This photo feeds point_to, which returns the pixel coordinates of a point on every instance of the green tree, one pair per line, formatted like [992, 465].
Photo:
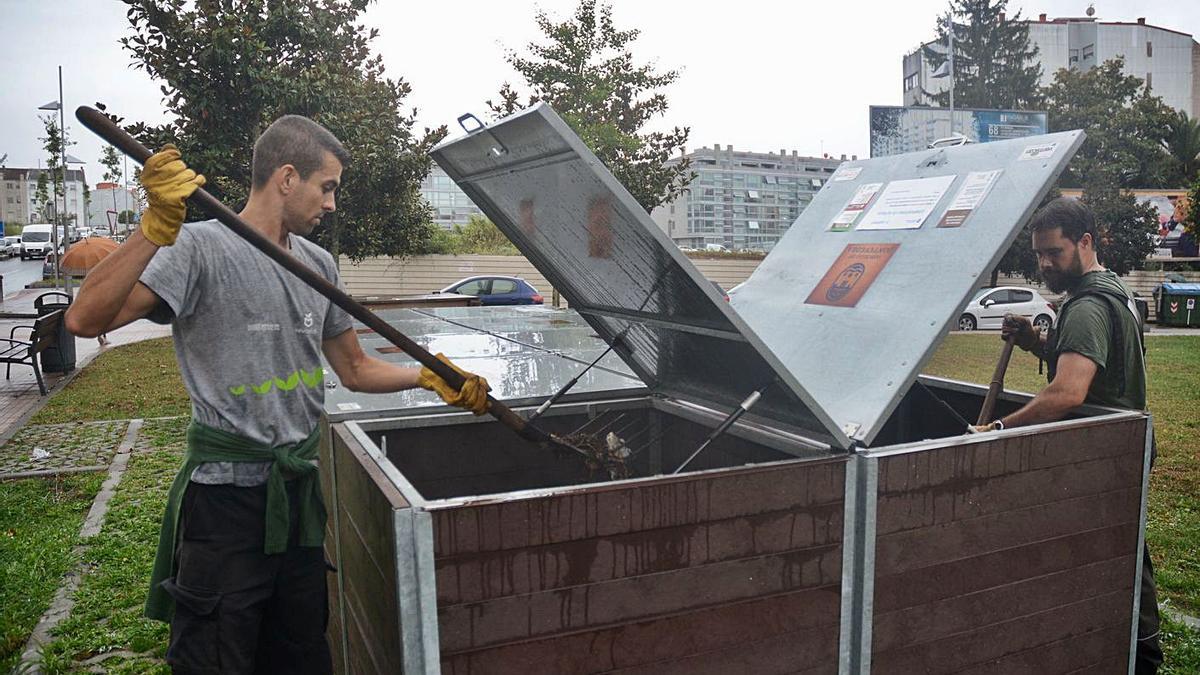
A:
[1127, 228]
[230, 67]
[1182, 144]
[1125, 125]
[587, 73]
[126, 217]
[111, 162]
[995, 65]
[41, 197]
[480, 235]
[52, 143]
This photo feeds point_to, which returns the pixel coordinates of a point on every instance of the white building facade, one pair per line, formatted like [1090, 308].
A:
[1168, 60]
[18, 197]
[742, 200]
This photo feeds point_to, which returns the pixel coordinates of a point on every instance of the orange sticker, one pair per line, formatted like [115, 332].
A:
[600, 234]
[851, 274]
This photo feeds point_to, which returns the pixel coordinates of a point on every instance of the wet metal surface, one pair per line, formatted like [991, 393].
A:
[563, 209]
[859, 358]
[524, 352]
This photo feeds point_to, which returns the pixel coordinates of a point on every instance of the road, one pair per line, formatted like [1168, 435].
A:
[17, 273]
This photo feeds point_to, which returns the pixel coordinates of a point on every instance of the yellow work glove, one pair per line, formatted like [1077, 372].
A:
[473, 395]
[168, 182]
[996, 425]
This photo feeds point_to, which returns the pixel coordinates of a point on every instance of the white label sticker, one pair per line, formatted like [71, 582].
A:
[349, 406]
[847, 173]
[905, 204]
[1191, 303]
[1043, 151]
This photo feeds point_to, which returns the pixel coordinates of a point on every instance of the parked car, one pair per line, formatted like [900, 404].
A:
[496, 290]
[12, 246]
[48, 266]
[100, 231]
[989, 306]
[36, 240]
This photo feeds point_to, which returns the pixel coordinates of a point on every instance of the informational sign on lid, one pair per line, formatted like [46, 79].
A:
[854, 315]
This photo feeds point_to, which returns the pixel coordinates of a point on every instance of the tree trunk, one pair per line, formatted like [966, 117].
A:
[995, 276]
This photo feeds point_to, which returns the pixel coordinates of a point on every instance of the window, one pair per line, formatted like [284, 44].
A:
[503, 286]
[752, 194]
[816, 182]
[1149, 80]
[996, 298]
[1073, 58]
[752, 224]
[1149, 48]
[910, 82]
[1089, 52]
[477, 287]
[1021, 296]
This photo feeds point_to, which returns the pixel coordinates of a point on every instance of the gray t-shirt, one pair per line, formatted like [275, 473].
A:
[248, 338]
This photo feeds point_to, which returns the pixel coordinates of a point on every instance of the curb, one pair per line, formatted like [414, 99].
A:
[64, 599]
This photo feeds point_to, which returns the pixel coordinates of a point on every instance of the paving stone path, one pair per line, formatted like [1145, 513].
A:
[52, 448]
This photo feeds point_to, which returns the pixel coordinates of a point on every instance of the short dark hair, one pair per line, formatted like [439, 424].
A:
[1068, 213]
[294, 140]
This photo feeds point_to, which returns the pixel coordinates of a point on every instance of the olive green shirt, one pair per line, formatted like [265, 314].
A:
[1085, 327]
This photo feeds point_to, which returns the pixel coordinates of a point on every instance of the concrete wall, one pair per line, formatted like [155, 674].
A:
[424, 274]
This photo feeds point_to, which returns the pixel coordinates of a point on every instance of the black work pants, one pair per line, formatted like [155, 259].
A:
[237, 609]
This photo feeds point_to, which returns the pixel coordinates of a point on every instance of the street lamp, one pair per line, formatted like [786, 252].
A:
[62, 131]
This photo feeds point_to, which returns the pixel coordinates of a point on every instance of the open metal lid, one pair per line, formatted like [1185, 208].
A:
[835, 323]
[857, 295]
[582, 229]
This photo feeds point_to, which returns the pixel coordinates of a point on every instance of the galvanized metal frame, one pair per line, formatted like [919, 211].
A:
[416, 590]
[1137, 572]
[858, 564]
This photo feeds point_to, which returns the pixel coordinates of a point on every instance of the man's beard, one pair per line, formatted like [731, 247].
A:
[1066, 280]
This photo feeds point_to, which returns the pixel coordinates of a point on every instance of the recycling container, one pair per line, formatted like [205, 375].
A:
[1179, 305]
[846, 523]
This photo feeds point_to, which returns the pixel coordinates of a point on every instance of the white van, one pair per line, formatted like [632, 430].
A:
[35, 240]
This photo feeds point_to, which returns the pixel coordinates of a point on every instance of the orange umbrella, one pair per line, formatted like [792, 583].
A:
[83, 256]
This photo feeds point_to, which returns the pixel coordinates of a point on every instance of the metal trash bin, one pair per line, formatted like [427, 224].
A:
[61, 357]
[1177, 305]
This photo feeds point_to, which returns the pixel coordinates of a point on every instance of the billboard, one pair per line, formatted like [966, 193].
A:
[896, 129]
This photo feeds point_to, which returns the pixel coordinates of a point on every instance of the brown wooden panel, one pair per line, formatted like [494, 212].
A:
[915, 471]
[807, 620]
[969, 575]
[915, 548]
[1103, 652]
[475, 577]
[790, 654]
[896, 629]
[963, 498]
[615, 509]
[365, 514]
[979, 646]
[599, 605]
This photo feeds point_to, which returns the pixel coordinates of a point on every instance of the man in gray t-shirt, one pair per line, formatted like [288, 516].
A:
[239, 572]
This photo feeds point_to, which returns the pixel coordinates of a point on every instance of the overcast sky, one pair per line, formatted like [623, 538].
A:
[759, 75]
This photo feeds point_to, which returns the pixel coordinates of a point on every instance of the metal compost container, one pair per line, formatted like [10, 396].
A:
[844, 524]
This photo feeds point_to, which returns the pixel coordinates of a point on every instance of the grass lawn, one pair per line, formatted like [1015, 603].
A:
[39, 526]
[136, 380]
[106, 629]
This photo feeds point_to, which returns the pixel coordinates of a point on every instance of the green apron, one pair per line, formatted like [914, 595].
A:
[206, 444]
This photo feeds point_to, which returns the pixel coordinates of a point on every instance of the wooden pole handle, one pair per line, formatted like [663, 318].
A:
[997, 385]
[106, 129]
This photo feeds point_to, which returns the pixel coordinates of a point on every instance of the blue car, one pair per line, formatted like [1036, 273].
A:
[497, 290]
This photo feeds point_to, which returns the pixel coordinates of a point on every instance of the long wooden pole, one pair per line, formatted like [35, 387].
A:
[104, 127]
[997, 385]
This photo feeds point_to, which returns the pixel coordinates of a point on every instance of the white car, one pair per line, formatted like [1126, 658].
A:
[11, 246]
[988, 307]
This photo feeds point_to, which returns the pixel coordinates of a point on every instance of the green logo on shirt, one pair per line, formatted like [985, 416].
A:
[311, 379]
